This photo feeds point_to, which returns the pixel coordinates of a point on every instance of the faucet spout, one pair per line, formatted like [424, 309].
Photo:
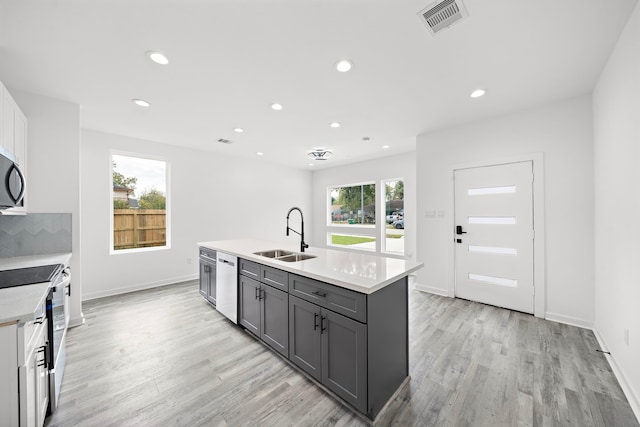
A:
[303, 245]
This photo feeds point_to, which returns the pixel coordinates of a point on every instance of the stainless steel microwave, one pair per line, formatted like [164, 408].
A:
[12, 182]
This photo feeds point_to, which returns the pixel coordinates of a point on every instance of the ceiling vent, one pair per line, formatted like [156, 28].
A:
[442, 14]
[320, 154]
[225, 141]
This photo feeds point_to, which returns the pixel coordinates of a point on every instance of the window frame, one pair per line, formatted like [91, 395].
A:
[383, 229]
[356, 230]
[168, 233]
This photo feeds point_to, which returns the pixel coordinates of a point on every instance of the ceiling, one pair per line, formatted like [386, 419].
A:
[231, 59]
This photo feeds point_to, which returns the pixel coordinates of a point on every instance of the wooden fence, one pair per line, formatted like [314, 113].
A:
[139, 228]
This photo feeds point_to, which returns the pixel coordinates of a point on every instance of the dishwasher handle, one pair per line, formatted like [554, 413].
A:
[231, 264]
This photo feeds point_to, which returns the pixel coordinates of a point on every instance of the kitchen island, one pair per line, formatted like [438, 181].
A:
[340, 317]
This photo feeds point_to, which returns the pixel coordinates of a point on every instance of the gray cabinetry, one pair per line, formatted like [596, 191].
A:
[264, 309]
[330, 347]
[208, 274]
[249, 304]
[304, 336]
[354, 344]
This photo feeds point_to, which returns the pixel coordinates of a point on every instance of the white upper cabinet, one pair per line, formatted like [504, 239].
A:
[13, 139]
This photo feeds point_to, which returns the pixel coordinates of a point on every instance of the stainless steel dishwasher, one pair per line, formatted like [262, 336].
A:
[227, 286]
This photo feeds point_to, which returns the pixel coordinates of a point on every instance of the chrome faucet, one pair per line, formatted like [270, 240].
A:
[303, 245]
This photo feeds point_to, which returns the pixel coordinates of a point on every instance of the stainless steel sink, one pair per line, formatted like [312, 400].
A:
[275, 253]
[295, 257]
[282, 255]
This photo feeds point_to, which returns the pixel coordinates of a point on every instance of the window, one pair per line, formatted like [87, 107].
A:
[352, 216]
[139, 203]
[393, 230]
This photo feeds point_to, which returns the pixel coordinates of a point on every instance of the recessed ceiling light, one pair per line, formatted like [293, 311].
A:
[310, 164]
[276, 107]
[158, 58]
[478, 93]
[239, 130]
[344, 65]
[335, 125]
[260, 153]
[141, 102]
[385, 146]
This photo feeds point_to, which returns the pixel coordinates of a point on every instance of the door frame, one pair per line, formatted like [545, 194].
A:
[539, 271]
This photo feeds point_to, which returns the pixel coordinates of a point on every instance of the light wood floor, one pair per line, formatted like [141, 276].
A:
[165, 357]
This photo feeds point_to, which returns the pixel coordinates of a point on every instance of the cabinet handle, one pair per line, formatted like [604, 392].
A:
[43, 362]
[260, 294]
[39, 320]
[322, 327]
[315, 321]
[320, 294]
[256, 292]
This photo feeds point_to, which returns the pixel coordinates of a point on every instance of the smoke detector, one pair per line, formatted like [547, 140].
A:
[442, 14]
[320, 154]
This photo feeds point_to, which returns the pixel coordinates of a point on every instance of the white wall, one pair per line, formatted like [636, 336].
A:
[616, 110]
[563, 133]
[393, 166]
[53, 168]
[212, 197]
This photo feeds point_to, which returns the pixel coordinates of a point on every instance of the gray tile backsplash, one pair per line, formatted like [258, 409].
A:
[35, 234]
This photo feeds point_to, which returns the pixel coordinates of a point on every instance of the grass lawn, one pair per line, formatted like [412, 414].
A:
[350, 240]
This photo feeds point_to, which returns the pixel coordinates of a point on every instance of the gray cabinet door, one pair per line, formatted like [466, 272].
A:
[304, 336]
[249, 315]
[211, 296]
[344, 358]
[274, 325]
[204, 279]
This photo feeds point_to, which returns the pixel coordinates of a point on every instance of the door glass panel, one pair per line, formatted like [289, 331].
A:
[491, 190]
[493, 250]
[494, 280]
[498, 220]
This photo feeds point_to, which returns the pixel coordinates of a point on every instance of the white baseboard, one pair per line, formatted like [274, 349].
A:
[569, 320]
[431, 290]
[76, 321]
[137, 287]
[629, 392]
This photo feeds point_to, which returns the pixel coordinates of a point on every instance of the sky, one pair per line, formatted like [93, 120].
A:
[150, 173]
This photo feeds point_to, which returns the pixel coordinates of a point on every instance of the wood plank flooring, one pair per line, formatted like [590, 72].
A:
[165, 357]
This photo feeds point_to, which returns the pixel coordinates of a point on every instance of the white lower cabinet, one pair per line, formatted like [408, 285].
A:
[33, 377]
[24, 378]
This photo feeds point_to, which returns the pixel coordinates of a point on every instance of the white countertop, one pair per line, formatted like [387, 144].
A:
[17, 304]
[361, 272]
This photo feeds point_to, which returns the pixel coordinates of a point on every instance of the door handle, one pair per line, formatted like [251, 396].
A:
[459, 230]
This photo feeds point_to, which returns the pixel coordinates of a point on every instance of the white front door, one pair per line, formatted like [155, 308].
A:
[494, 235]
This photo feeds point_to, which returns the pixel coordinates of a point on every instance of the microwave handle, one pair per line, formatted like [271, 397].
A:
[18, 199]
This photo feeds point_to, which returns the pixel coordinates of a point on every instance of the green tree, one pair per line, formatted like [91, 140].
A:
[395, 191]
[127, 182]
[120, 204]
[355, 198]
[152, 199]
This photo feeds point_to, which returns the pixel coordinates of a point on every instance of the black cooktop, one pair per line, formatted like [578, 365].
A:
[27, 276]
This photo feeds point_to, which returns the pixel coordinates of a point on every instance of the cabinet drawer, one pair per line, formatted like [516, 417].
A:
[274, 277]
[344, 301]
[250, 269]
[208, 255]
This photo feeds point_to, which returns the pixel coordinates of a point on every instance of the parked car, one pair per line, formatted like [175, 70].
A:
[394, 217]
[398, 224]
